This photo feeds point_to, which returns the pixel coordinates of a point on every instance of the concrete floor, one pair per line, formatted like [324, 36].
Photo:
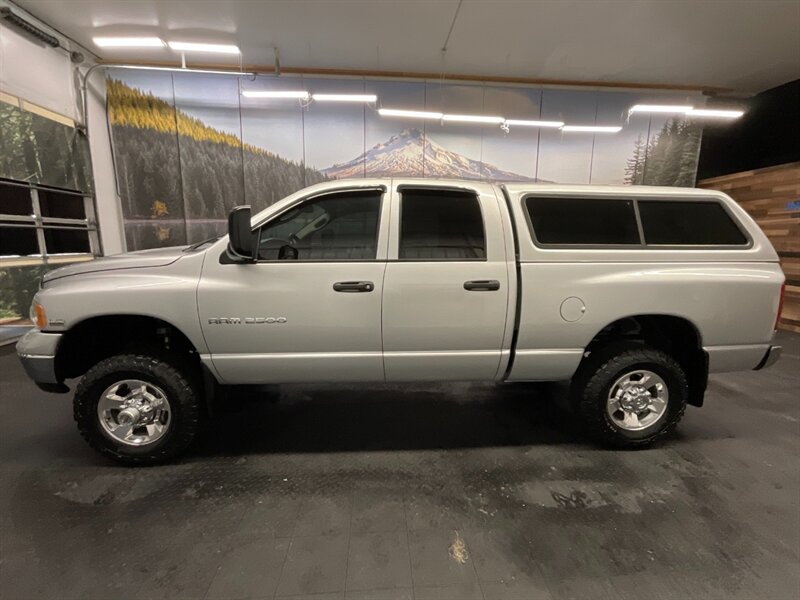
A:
[442, 492]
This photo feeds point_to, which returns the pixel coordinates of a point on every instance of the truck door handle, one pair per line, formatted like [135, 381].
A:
[482, 285]
[353, 286]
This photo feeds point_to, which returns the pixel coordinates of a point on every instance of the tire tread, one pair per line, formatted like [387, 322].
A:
[190, 414]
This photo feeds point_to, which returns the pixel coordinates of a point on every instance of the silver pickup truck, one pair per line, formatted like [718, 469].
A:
[634, 294]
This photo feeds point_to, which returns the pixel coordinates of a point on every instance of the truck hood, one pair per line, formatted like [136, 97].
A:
[158, 257]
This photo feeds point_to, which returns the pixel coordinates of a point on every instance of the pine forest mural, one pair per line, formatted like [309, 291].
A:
[189, 147]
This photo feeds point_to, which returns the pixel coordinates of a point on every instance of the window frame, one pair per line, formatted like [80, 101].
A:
[41, 223]
[425, 188]
[635, 199]
[331, 192]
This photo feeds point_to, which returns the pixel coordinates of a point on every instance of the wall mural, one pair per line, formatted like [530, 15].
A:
[188, 147]
[39, 150]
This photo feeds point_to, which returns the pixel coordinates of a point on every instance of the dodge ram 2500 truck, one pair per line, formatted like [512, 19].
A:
[634, 294]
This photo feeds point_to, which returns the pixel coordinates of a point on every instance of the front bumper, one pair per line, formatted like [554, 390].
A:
[37, 353]
[770, 358]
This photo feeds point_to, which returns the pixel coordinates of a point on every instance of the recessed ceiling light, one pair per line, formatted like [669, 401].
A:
[592, 128]
[199, 47]
[525, 123]
[473, 119]
[417, 114]
[660, 108]
[715, 113]
[296, 94]
[345, 97]
[128, 42]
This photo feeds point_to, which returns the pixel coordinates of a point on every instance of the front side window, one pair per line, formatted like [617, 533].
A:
[688, 224]
[583, 221]
[441, 225]
[339, 226]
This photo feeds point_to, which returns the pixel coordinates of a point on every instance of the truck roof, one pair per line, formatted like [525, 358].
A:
[519, 186]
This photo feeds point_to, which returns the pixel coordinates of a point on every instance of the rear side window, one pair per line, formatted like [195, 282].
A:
[584, 221]
[441, 225]
[689, 224]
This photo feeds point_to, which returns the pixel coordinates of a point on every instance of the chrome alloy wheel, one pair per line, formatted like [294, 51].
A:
[637, 400]
[134, 412]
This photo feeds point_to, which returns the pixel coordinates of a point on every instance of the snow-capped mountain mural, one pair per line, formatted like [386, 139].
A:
[412, 153]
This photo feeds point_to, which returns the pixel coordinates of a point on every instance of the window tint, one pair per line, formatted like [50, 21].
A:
[18, 241]
[689, 224]
[339, 226]
[66, 241]
[441, 225]
[583, 221]
[61, 206]
[15, 200]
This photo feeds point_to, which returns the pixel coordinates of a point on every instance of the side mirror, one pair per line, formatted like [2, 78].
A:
[240, 236]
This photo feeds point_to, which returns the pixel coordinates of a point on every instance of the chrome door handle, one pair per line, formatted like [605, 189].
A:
[482, 285]
[353, 286]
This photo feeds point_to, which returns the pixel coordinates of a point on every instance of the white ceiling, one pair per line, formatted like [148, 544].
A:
[745, 45]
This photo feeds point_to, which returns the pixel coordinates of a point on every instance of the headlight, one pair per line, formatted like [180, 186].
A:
[38, 316]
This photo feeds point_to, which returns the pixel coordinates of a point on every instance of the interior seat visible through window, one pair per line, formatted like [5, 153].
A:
[337, 226]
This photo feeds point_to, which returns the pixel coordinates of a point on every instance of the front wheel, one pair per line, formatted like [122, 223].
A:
[630, 397]
[138, 409]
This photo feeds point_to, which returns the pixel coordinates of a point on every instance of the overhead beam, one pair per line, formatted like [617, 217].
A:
[270, 70]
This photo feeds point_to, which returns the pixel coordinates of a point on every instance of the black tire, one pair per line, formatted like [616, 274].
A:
[592, 384]
[183, 391]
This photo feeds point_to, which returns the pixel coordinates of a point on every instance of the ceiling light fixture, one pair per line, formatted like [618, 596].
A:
[660, 108]
[198, 47]
[473, 119]
[715, 113]
[293, 94]
[414, 114]
[592, 128]
[129, 42]
[524, 123]
[345, 97]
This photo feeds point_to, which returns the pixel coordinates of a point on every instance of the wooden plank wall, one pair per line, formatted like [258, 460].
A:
[772, 197]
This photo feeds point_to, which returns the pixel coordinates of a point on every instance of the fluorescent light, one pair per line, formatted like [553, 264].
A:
[472, 119]
[197, 47]
[593, 128]
[660, 108]
[720, 114]
[524, 123]
[416, 114]
[129, 42]
[297, 94]
[345, 97]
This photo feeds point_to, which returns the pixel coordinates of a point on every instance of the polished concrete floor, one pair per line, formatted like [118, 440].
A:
[441, 492]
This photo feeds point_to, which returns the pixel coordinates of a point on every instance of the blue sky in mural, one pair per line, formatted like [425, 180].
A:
[334, 131]
[352, 140]
[270, 123]
[212, 99]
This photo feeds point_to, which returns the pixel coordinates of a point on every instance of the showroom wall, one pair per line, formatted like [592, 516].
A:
[187, 147]
[756, 160]
[47, 215]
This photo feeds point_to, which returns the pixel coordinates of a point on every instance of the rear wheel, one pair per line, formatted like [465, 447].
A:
[138, 409]
[630, 397]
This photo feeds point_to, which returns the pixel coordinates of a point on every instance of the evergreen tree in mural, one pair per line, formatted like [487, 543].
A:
[185, 176]
[634, 169]
[669, 159]
[37, 149]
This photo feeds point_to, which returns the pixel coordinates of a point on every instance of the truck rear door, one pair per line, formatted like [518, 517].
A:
[448, 283]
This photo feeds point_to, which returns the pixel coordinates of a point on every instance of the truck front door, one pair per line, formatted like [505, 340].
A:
[447, 284]
[309, 309]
